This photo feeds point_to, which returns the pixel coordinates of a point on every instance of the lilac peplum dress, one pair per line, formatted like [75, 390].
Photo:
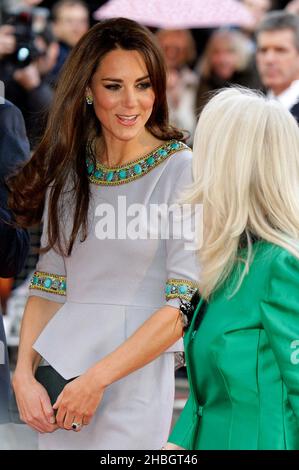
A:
[109, 286]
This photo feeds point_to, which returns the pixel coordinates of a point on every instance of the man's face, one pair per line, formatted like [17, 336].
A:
[277, 59]
[175, 48]
[71, 24]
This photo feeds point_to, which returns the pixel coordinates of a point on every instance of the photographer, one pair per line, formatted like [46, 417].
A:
[26, 78]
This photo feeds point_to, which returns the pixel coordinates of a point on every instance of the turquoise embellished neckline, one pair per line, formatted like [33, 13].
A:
[103, 175]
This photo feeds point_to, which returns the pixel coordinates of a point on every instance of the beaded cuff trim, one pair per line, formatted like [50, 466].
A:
[51, 283]
[103, 175]
[180, 288]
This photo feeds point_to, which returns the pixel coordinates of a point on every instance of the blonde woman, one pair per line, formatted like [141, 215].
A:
[242, 347]
[228, 59]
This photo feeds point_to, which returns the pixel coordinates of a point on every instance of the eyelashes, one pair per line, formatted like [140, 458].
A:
[145, 85]
[140, 86]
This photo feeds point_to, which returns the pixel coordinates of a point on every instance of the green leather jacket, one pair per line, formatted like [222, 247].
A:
[243, 361]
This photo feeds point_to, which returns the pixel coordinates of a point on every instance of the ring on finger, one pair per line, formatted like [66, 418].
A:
[76, 426]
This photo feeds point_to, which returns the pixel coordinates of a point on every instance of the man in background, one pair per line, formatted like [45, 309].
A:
[278, 58]
[70, 23]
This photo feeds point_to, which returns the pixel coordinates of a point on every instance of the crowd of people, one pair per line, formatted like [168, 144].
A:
[228, 56]
[95, 113]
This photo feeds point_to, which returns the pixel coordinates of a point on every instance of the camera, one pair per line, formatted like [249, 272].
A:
[27, 25]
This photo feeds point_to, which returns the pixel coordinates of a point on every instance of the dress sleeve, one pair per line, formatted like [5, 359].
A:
[49, 279]
[181, 264]
[280, 318]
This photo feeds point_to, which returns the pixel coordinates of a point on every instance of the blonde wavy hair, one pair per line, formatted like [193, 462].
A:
[234, 40]
[246, 175]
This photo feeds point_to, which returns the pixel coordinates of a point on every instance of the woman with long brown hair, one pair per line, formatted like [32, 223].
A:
[97, 315]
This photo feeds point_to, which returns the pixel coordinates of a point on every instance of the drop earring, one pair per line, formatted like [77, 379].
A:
[89, 99]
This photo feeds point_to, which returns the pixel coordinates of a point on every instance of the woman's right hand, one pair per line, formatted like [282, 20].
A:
[34, 403]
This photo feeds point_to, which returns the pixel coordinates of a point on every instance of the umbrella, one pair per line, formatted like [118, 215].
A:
[178, 14]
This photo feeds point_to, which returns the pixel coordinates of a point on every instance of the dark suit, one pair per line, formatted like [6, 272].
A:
[295, 111]
[14, 242]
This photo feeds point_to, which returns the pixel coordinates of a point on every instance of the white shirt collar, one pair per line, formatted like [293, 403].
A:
[288, 97]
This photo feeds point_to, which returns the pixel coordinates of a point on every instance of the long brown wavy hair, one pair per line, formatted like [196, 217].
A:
[61, 154]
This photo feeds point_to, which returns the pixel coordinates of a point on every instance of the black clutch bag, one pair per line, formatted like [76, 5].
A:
[52, 381]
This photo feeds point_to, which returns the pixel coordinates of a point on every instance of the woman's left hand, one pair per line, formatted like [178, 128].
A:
[78, 401]
[170, 446]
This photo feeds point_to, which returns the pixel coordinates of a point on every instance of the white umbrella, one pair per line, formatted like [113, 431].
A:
[178, 14]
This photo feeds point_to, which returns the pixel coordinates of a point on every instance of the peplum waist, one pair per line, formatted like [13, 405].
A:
[80, 334]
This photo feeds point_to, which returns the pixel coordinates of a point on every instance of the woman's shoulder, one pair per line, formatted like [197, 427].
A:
[282, 261]
[180, 147]
[281, 267]
[277, 251]
[175, 172]
[180, 155]
[178, 169]
[173, 159]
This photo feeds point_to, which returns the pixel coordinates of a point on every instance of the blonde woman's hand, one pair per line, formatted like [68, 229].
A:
[34, 403]
[78, 402]
[170, 446]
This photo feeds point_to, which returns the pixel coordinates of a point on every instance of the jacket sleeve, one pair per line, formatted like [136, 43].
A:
[14, 151]
[14, 246]
[14, 145]
[280, 319]
[185, 428]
